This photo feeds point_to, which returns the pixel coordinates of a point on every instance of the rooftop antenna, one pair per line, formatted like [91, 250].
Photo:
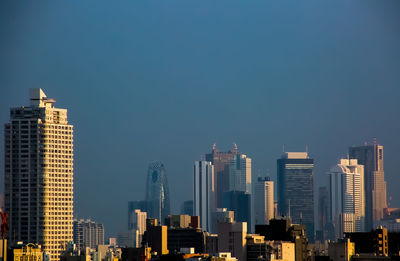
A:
[214, 146]
[283, 148]
[374, 139]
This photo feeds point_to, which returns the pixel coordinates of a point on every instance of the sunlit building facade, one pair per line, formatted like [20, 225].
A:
[346, 180]
[39, 175]
[203, 193]
[264, 200]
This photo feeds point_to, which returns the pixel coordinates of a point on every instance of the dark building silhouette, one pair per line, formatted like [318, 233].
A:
[283, 229]
[186, 238]
[157, 192]
[296, 189]
[325, 229]
[240, 203]
[379, 242]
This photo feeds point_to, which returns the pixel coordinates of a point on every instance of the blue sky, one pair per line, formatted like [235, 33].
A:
[164, 80]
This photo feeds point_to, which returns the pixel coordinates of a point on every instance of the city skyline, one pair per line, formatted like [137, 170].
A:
[262, 75]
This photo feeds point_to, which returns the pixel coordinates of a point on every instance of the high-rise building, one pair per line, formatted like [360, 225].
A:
[138, 224]
[264, 200]
[232, 238]
[324, 225]
[371, 156]
[221, 160]
[157, 193]
[323, 207]
[88, 233]
[203, 193]
[132, 205]
[240, 203]
[187, 207]
[346, 181]
[296, 189]
[240, 173]
[39, 174]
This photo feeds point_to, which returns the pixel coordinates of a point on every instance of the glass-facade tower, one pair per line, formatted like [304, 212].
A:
[157, 192]
[296, 189]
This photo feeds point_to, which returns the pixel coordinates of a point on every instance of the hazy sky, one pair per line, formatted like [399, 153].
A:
[151, 80]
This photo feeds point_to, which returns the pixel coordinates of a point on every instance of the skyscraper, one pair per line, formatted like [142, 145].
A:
[240, 203]
[371, 156]
[187, 207]
[203, 190]
[132, 206]
[346, 181]
[39, 174]
[322, 232]
[221, 160]
[157, 192]
[138, 226]
[240, 173]
[88, 233]
[264, 200]
[296, 189]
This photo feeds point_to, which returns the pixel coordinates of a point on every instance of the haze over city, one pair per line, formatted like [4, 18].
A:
[147, 80]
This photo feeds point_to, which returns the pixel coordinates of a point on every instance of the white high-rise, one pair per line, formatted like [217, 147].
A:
[347, 197]
[39, 174]
[204, 193]
[264, 201]
[240, 173]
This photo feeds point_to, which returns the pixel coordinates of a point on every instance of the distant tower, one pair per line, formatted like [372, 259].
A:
[240, 173]
[347, 197]
[264, 201]
[157, 192]
[371, 156]
[220, 160]
[88, 233]
[296, 189]
[38, 177]
[203, 190]
[138, 226]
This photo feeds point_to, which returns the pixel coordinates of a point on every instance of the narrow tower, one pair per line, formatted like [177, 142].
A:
[39, 174]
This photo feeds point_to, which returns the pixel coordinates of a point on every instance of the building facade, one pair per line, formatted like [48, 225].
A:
[264, 200]
[232, 238]
[203, 193]
[240, 203]
[132, 206]
[347, 212]
[157, 192]
[221, 160]
[88, 233]
[371, 156]
[296, 189]
[39, 174]
[138, 225]
[240, 173]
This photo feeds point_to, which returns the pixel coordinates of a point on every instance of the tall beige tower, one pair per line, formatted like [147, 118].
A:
[264, 201]
[39, 175]
[371, 156]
